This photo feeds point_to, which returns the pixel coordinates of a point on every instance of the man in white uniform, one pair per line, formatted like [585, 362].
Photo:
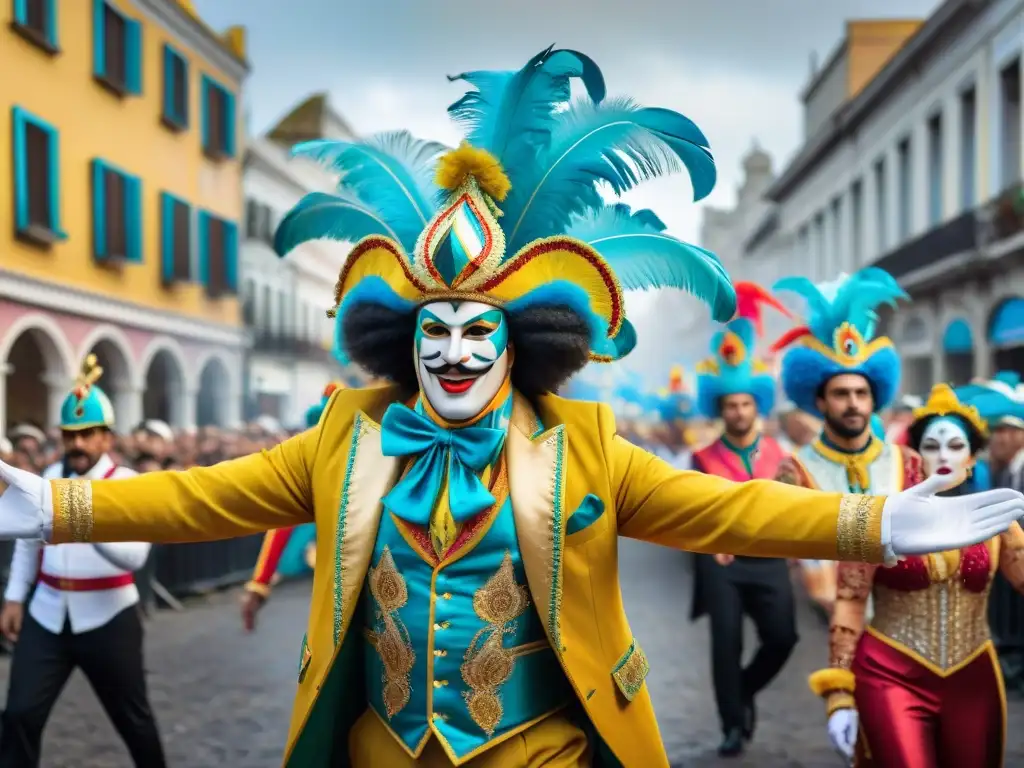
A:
[84, 610]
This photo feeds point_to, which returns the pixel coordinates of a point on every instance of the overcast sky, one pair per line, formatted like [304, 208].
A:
[735, 67]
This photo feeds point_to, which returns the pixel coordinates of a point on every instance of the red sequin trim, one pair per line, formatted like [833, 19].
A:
[428, 259]
[908, 575]
[579, 249]
[975, 567]
[369, 244]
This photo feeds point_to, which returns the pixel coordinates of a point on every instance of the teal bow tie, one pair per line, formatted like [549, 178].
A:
[462, 452]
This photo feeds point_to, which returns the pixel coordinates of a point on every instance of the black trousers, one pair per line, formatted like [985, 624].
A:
[111, 658]
[759, 588]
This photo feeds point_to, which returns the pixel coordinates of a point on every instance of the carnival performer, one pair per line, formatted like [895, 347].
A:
[84, 611]
[836, 369]
[466, 605]
[923, 674]
[286, 552]
[738, 388]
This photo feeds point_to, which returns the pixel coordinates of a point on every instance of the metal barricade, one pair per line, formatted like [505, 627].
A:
[188, 569]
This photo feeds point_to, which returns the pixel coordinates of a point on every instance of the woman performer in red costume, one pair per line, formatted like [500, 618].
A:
[922, 678]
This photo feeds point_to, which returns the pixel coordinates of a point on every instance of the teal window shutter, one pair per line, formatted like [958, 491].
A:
[99, 209]
[133, 55]
[230, 129]
[133, 217]
[167, 237]
[20, 120]
[204, 106]
[20, 12]
[54, 174]
[51, 21]
[20, 170]
[203, 235]
[99, 43]
[231, 256]
[169, 83]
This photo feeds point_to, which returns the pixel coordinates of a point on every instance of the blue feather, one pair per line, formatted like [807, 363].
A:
[320, 215]
[643, 257]
[511, 114]
[856, 301]
[391, 173]
[615, 142]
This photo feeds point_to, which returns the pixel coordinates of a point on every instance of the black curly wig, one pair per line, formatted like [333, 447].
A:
[915, 433]
[551, 343]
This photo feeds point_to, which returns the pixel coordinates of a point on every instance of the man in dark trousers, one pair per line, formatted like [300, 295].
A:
[84, 612]
[736, 388]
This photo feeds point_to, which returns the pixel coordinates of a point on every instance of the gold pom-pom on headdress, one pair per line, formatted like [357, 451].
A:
[89, 374]
[943, 402]
[467, 162]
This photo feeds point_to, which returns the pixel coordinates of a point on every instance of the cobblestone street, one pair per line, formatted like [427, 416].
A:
[223, 698]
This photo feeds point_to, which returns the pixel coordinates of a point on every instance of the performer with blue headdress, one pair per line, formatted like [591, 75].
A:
[466, 602]
[286, 552]
[736, 386]
[84, 610]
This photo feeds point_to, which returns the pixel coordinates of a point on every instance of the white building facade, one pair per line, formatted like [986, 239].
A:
[286, 300]
[919, 173]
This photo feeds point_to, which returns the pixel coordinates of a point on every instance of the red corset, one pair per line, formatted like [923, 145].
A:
[912, 574]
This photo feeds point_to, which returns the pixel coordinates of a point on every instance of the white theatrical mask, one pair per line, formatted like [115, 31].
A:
[461, 356]
[946, 448]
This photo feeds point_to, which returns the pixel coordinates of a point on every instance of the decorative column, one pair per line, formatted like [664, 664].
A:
[58, 387]
[5, 371]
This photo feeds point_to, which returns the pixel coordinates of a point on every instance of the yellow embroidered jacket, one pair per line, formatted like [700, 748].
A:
[336, 475]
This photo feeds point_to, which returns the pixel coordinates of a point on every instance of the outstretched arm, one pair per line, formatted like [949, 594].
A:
[253, 494]
[274, 544]
[703, 513]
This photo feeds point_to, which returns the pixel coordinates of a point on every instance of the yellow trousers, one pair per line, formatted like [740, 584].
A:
[554, 742]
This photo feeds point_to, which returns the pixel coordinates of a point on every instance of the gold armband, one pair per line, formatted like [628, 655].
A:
[831, 680]
[263, 590]
[859, 529]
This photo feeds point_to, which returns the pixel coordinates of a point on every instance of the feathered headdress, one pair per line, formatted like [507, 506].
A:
[733, 367]
[838, 337]
[86, 405]
[515, 216]
[943, 402]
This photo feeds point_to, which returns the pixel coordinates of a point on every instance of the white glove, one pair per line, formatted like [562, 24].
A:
[26, 505]
[921, 522]
[842, 731]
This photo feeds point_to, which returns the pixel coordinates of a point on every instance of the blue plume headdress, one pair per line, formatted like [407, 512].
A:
[515, 216]
[733, 367]
[839, 337]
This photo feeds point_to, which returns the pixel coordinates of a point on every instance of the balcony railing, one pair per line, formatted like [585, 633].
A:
[958, 235]
[288, 344]
[1004, 214]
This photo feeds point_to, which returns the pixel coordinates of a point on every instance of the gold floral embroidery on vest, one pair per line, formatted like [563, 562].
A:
[391, 640]
[488, 664]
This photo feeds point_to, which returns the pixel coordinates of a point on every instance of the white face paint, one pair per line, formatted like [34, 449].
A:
[461, 356]
[945, 448]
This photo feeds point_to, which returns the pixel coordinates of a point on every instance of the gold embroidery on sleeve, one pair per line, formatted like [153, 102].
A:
[72, 520]
[392, 641]
[487, 664]
[859, 528]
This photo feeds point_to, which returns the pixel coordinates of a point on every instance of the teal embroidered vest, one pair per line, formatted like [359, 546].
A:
[456, 650]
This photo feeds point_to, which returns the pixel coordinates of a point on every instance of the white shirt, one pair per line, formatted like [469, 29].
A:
[86, 610]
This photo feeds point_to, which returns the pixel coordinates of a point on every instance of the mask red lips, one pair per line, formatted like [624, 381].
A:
[944, 471]
[456, 386]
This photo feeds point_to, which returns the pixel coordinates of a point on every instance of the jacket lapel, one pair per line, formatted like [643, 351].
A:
[536, 466]
[369, 475]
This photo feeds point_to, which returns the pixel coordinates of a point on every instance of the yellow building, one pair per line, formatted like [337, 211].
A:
[124, 141]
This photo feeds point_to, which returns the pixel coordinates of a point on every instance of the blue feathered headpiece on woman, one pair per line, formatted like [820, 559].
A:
[515, 217]
[839, 337]
[733, 367]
